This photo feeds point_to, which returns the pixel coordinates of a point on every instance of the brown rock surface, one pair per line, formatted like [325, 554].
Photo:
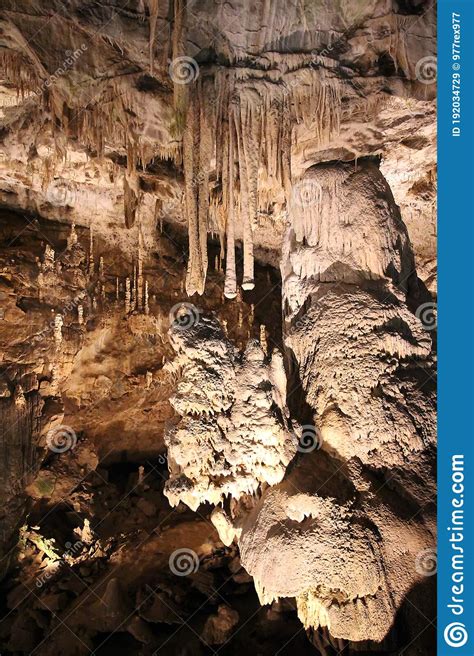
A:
[217, 344]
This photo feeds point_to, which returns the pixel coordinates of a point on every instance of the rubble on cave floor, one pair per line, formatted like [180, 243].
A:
[107, 557]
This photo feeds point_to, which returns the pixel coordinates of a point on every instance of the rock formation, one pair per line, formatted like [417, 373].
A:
[217, 327]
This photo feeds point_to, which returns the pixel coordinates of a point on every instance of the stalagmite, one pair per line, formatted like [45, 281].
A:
[19, 397]
[58, 324]
[127, 296]
[149, 379]
[135, 289]
[40, 281]
[54, 378]
[147, 307]
[91, 251]
[253, 118]
[48, 263]
[86, 533]
[140, 273]
[72, 238]
[263, 339]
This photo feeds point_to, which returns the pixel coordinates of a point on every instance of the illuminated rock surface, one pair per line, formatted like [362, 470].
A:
[217, 344]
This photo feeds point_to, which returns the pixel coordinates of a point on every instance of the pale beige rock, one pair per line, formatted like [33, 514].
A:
[230, 438]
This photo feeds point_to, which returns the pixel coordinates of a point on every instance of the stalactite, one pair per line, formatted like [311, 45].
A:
[17, 69]
[195, 275]
[80, 314]
[153, 11]
[177, 45]
[248, 175]
[230, 285]
[101, 267]
[117, 290]
[205, 155]
[130, 198]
